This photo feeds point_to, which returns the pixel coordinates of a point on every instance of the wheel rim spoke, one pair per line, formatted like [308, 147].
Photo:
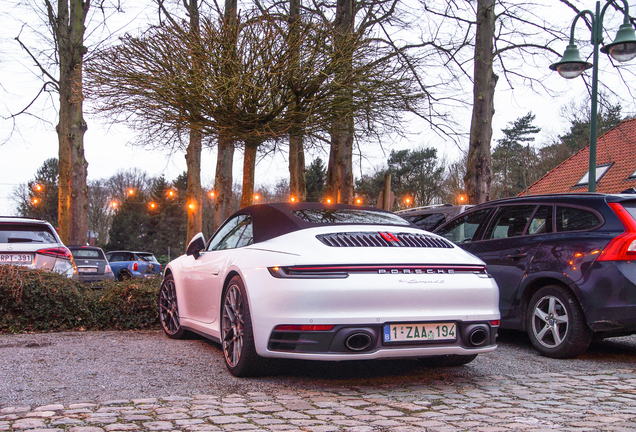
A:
[541, 315]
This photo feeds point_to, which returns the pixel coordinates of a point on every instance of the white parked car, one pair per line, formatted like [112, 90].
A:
[329, 282]
[33, 243]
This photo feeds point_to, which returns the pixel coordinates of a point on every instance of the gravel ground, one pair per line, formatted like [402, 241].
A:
[37, 369]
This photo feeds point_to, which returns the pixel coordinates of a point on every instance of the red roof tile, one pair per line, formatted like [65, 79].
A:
[616, 146]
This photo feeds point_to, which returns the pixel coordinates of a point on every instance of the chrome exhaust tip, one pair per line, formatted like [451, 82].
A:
[358, 341]
[478, 336]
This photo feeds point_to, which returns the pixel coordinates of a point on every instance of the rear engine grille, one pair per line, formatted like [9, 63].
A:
[382, 239]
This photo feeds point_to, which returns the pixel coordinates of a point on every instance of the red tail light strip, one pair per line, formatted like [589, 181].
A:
[343, 271]
[56, 252]
[623, 247]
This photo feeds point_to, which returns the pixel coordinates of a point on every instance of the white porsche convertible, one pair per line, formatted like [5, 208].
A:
[329, 282]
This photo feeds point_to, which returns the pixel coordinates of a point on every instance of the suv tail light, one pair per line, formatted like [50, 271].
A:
[623, 247]
[135, 266]
[56, 252]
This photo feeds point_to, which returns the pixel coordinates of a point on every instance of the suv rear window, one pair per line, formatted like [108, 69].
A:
[510, 221]
[575, 219]
[26, 233]
[463, 229]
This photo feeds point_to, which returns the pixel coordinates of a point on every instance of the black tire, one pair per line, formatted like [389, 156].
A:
[169, 309]
[237, 337]
[556, 324]
[450, 360]
[123, 276]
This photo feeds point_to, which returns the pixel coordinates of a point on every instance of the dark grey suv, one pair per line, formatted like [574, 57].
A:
[565, 265]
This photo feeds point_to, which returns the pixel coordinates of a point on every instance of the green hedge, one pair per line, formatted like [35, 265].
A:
[42, 301]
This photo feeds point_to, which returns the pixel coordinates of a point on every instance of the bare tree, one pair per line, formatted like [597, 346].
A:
[61, 70]
[479, 172]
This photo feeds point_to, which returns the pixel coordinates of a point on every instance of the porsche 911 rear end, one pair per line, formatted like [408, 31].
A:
[368, 294]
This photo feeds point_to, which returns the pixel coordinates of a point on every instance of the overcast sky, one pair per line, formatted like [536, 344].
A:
[28, 142]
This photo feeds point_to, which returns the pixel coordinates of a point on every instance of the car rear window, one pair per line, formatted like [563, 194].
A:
[427, 221]
[510, 221]
[541, 222]
[87, 253]
[147, 257]
[349, 216]
[26, 233]
[575, 219]
[463, 229]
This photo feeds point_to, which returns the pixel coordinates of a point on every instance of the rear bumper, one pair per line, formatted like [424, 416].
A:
[364, 303]
[94, 278]
[341, 343]
[609, 297]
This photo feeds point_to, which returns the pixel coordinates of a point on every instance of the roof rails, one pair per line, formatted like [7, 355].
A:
[423, 207]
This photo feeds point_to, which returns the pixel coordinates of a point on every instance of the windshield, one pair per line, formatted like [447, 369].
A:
[349, 216]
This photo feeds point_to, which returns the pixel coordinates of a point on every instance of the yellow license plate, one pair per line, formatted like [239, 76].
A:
[414, 332]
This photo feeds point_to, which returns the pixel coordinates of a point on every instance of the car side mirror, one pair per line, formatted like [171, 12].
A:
[196, 245]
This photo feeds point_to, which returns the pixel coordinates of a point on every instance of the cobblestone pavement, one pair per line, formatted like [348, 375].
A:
[572, 401]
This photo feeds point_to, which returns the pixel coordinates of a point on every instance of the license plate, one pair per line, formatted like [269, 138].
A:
[87, 269]
[16, 258]
[414, 332]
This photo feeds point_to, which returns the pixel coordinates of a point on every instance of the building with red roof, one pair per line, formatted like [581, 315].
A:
[615, 165]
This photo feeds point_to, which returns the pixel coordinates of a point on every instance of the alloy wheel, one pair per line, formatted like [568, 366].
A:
[233, 326]
[550, 323]
[168, 309]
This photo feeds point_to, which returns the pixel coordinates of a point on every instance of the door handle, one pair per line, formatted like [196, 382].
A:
[517, 256]
[215, 272]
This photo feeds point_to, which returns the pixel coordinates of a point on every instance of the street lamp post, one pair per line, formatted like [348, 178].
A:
[572, 66]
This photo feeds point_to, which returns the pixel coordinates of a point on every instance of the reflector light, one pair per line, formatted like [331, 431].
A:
[389, 237]
[304, 328]
[494, 323]
[623, 247]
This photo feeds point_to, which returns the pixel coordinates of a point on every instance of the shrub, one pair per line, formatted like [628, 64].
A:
[41, 301]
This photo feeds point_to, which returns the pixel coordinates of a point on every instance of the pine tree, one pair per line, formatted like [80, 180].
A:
[514, 160]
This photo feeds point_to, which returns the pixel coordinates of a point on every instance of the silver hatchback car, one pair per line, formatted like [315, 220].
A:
[33, 243]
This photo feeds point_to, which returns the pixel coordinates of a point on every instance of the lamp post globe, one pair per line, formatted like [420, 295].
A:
[571, 65]
[623, 49]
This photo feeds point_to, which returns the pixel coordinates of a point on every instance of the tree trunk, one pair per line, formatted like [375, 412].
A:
[340, 170]
[225, 146]
[342, 141]
[194, 193]
[73, 193]
[249, 167]
[479, 168]
[332, 186]
[297, 186]
[223, 181]
[193, 152]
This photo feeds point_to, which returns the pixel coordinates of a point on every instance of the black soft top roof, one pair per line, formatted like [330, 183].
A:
[276, 219]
